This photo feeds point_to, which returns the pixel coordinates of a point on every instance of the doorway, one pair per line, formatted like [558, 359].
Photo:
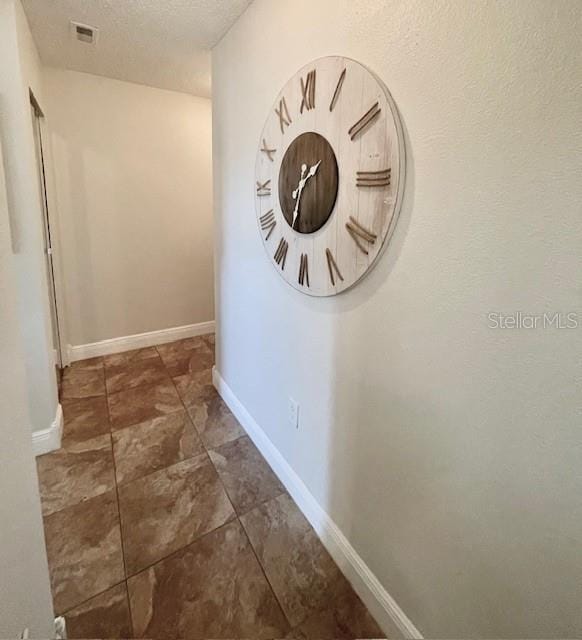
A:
[37, 128]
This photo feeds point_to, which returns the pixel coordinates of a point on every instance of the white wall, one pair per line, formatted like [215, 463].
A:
[25, 597]
[20, 71]
[134, 193]
[448, 453]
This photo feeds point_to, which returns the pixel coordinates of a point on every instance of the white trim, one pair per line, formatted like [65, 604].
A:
[47, 440]
[380, 603]
[138, 341]
[60, 628]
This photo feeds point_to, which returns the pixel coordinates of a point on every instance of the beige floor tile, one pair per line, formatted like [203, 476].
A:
[133, 406]
[85, 418]
[137, 374]
[186, 356]
[134, 356]
[212, 589]
[104, 616]
[347, 619]
[194, 387]
[75, 473]
[154, 444]
[84, 550]
[302, 573]
[83, 383]
[212, 418]
[169, 509]
[247, 477]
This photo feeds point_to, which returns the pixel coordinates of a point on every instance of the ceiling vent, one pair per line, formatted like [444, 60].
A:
[84, 33]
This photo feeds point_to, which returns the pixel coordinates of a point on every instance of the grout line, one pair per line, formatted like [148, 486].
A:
[121, 536]
[262, 502]
[83, 602]
[128, 600]
[176, 551]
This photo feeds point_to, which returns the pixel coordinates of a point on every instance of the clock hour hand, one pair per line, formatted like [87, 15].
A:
[301, 184]
[296, 194]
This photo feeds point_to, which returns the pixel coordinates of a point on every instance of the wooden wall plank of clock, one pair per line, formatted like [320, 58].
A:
[355, 101]
[329, 126]
[309, 121]
[377, 172]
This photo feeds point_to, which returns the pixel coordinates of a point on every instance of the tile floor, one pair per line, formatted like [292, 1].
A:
[162, 519]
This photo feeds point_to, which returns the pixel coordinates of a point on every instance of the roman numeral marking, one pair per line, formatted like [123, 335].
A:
[263, 189]
[332, 267]
[338, 89]
[357, 231]
[268, 222]
[303, 271]
[373, 178]
[283, 113]
[364, 121]
[308, 92]
[269, 152]
[281, 253]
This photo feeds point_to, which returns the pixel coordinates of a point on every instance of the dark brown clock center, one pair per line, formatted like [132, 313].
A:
[308, 182]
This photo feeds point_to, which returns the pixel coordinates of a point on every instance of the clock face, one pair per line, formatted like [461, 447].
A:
[329, 176]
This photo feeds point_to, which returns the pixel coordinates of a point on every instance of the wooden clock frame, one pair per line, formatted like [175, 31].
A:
[338, 227]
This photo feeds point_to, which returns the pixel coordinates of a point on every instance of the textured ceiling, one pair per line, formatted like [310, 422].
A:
[161, 43]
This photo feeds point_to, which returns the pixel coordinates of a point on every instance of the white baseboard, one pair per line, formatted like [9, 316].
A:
[380, 603]
[138, 341]
[48, 440]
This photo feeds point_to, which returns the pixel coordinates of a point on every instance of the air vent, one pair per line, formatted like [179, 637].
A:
[84, 33]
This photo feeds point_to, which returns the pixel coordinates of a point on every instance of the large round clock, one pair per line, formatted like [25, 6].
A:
[329, 175]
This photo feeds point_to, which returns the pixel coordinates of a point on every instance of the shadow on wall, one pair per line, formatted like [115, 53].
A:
[360, 441]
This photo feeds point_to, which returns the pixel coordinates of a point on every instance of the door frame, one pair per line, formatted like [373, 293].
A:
[51, 226]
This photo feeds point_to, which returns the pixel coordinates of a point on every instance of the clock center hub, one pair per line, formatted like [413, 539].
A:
[308, 182]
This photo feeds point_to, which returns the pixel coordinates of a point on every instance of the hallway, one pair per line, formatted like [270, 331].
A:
[291, 319]
[162, 519]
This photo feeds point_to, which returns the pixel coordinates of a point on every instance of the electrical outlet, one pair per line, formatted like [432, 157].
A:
[293, 413]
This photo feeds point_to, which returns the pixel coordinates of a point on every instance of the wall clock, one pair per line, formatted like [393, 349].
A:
[329, 175]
